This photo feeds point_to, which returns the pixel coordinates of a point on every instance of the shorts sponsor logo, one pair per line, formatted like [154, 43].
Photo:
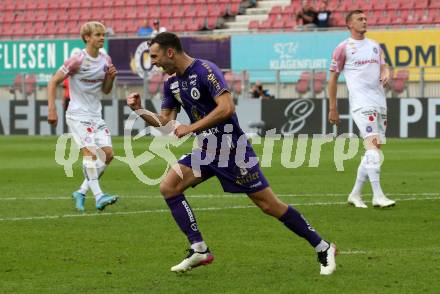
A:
[257, 184]
[369, 129]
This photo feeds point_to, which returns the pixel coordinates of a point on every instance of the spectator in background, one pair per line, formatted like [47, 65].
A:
[323, 15]
[145, 30]
[257, 91]
[157, 28]
[307, 15]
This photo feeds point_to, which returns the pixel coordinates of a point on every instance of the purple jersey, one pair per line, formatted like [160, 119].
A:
[196, 91]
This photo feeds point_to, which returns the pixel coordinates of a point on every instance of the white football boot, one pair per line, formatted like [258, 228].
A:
[327, 260]
[194, 259]
[383, 201]
[356, 201]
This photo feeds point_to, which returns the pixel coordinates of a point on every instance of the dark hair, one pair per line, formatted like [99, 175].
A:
[167, 40]
[351, 13]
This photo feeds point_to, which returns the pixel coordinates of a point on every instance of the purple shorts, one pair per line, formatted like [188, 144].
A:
[232, 178]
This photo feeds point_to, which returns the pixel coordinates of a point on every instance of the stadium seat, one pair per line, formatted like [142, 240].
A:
[434, 4]
[154, 82]
[398, 83]
[302, 86]
[253, 25]
[30, 84]
[319, 81]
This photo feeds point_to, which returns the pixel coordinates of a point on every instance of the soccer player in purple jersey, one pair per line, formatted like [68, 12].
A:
[200, 88]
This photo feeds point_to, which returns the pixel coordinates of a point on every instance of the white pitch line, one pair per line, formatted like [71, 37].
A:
[195, 209]
[216, 196]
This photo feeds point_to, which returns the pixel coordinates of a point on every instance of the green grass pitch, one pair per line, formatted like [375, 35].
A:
[47, 247]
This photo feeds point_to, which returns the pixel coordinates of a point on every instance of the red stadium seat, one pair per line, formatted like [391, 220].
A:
[302, 86]
[398, 83]
[380, 5]
[434, 4]
[421, 4]
[253, 25]
[154, 82]
[211, 23]
[407, 4]
[394, 5]
[319, 81]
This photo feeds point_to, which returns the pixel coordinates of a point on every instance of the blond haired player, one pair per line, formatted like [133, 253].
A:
[91, 73]
[361, 60]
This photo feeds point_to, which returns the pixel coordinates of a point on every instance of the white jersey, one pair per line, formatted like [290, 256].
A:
[86, 78]
[360, 61]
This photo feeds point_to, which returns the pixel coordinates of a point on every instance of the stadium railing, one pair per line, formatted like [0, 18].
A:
[406, 82]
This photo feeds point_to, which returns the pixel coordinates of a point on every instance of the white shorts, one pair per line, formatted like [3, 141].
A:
[89, 132]
[371, 121]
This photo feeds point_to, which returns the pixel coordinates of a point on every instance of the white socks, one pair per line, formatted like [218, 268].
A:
[199, 246]
[91, 173]
[361, 177]
[372, 166]
[85, 184]
[322, 246]
[369, 168]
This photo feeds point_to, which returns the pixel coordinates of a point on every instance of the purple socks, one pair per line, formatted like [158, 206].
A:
[184, 217]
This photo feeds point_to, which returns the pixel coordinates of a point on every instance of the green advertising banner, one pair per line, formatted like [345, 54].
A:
[39, 57]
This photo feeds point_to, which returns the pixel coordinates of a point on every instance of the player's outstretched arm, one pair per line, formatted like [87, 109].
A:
[333, 115]
[110, 76]
[52, 117]
[153, 119]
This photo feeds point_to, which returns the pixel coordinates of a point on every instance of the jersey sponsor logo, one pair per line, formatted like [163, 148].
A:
[367, 61]
[91, 81]
[214, 81]
[195, 113]
[195, 93]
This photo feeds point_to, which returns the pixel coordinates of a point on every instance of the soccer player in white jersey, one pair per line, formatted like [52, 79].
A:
[366, 73]
[91, 73]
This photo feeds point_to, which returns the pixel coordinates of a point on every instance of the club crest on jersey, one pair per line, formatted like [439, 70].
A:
[184, 85]
[195, 93]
